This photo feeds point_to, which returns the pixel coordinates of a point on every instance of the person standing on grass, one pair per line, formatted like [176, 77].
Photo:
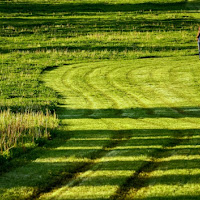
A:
[198, 41]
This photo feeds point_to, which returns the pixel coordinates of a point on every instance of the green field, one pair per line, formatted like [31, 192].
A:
[123, 78]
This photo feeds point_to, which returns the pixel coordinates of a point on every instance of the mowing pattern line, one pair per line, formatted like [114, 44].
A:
[139, 179]
[132, 99]
[72, 177]
[127, 127]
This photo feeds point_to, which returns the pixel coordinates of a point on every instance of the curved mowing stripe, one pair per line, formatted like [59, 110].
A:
[124, 121]
[148, 97]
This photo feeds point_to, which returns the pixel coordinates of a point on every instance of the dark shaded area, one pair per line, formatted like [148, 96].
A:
[142, 177]
[34, 106]
[71, 26]
[134, 113]
[41, 9]
[166, 179]
[118, 48]
[177, 197]
[120, 138]
[20, 156]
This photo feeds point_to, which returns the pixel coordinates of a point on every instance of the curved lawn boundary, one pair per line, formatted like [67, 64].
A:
[122, 122]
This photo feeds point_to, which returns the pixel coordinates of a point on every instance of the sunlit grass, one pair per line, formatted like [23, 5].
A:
[127, 77]
[19, 129]
[151, 121]
[34, 39]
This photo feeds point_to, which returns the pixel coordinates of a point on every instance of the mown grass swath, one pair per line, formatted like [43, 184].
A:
[127, 78]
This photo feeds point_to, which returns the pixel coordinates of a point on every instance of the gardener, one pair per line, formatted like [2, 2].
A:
[198, 40]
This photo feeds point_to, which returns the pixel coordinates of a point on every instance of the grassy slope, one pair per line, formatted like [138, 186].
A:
[130, 128]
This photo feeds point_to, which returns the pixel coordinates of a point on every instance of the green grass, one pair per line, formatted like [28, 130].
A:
[157, 121]
[20, 129]
[124, 79]
[35, 38]
[113, 134]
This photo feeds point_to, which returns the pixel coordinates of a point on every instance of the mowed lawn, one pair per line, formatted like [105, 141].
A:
[126, 77]
[148, 111]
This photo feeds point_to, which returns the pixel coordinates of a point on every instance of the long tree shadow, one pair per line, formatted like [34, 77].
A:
[176, 197]
[134, 113]
[41, 9]
[67, 27]
[81, 150]
[118, 48]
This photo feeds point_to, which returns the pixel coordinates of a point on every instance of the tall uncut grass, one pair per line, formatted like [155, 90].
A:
[19, 129]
